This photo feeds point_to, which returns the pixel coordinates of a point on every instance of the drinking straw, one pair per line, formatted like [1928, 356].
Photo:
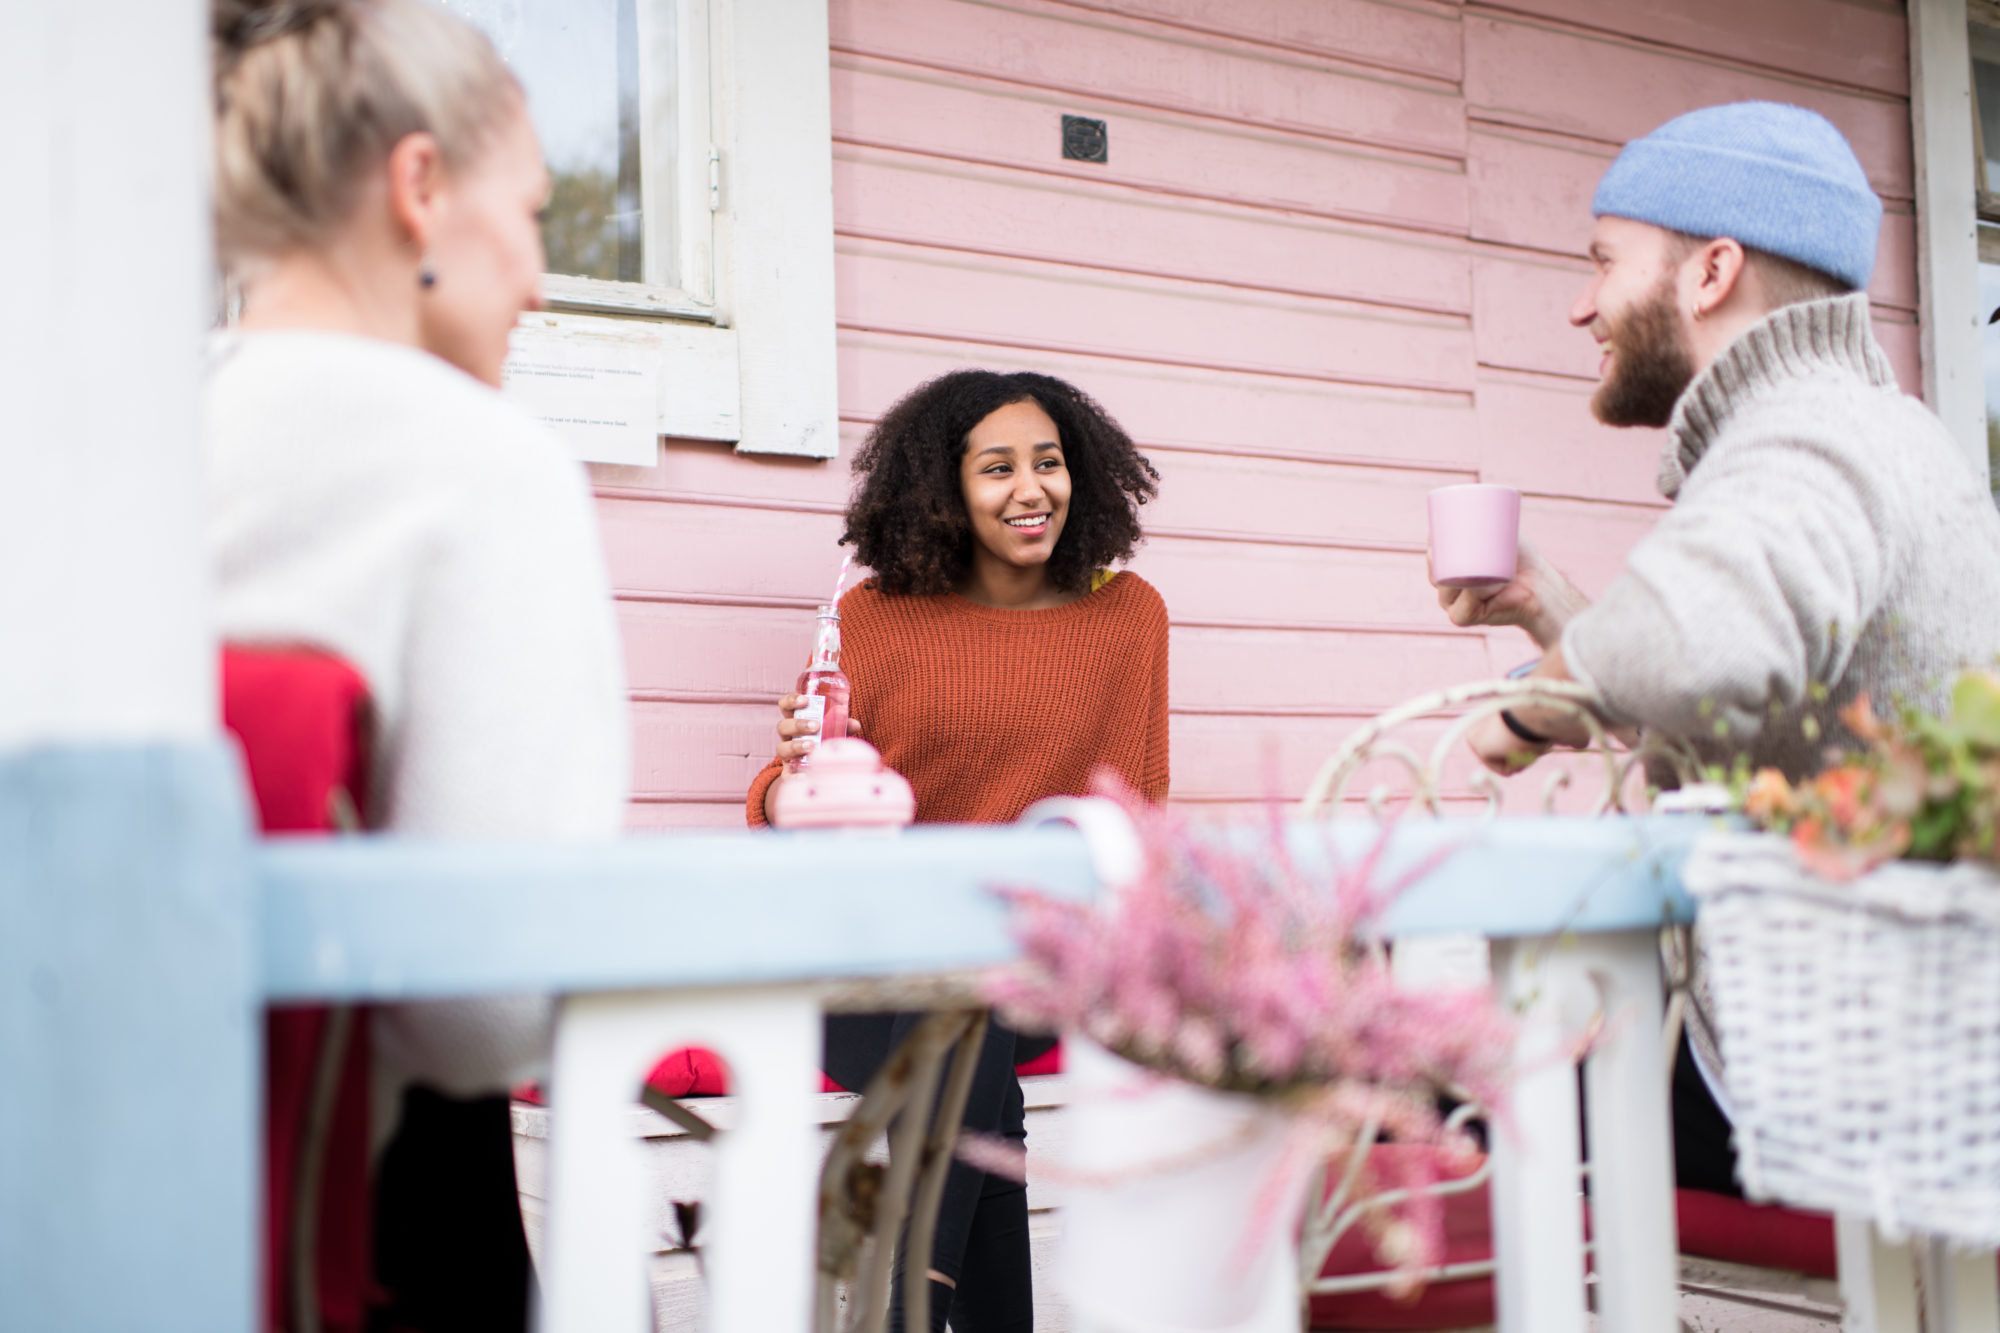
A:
[840, 584]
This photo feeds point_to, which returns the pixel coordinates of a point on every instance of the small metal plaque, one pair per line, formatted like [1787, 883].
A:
[1084, 140]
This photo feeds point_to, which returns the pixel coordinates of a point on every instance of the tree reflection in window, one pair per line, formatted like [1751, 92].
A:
[579, 62]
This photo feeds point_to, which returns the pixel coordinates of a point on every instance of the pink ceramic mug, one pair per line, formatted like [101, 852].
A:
[1475, 536]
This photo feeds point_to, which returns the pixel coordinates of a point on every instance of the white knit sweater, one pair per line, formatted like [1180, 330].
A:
[370, 499]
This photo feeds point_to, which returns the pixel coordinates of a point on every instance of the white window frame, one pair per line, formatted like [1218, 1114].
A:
[745, 341]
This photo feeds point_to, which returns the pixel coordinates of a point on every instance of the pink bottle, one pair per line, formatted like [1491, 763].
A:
[824, 686]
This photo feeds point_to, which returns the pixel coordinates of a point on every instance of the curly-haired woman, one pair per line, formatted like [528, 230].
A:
[995, 660]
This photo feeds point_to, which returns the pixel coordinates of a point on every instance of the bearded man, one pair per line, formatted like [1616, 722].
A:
[1827, 537]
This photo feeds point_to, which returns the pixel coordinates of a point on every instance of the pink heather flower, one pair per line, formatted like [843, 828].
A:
[1201, 1049]
[1226, 964]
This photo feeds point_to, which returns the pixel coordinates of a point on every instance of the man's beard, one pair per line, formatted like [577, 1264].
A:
[1650, 366]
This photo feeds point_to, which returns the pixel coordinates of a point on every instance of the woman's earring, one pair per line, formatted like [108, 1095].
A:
[427, 277]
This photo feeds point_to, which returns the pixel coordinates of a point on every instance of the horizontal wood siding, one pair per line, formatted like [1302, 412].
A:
[1326, 268]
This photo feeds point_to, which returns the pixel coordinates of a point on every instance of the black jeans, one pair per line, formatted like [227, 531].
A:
[982, 1229]
[449, 1248]
[1704, 1157]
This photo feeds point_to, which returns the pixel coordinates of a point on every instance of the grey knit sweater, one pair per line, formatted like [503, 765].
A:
[1827, 538]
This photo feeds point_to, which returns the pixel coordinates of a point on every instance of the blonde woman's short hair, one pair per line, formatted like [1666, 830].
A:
[310, 95]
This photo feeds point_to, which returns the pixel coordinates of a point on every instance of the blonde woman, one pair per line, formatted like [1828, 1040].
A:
[369, 492]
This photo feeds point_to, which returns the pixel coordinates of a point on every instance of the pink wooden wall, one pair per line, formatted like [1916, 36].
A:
[1325, 269]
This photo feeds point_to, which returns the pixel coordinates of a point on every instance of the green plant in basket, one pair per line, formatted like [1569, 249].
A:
[1923, 787]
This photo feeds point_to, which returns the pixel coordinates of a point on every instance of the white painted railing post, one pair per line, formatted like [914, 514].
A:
[1878, 1281]
[1537, 1194]
[128, 1000]
[1961, 1291]
[103, 577]
[1631, 1137]
[757, 1234]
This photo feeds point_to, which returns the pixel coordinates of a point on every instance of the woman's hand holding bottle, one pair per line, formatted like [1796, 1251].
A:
[798, 735]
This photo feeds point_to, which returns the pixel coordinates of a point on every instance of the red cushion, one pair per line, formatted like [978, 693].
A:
[692, 1072]
[300, 719]
[1762, 1235]
[292, 1037]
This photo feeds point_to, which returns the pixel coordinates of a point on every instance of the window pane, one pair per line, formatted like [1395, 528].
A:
[579, 61]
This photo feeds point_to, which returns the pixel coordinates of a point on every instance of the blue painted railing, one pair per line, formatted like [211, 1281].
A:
[384, 919]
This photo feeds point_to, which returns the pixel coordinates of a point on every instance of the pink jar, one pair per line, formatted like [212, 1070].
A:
[845, 785]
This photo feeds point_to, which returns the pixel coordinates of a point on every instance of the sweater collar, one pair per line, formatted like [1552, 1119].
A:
[1793, 342]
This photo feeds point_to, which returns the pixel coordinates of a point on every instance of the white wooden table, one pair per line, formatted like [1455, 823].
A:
[727, 940]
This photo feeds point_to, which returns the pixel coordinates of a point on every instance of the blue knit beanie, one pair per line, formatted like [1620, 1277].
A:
[1773, 177]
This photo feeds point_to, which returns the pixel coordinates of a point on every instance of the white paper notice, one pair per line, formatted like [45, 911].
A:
[601, 396]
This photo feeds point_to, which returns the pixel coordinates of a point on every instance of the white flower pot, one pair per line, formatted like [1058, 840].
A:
[1168, 1178]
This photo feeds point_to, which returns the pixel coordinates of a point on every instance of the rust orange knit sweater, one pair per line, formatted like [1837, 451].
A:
[987, 710]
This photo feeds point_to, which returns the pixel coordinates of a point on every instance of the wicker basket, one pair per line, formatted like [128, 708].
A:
[1860, 1024]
